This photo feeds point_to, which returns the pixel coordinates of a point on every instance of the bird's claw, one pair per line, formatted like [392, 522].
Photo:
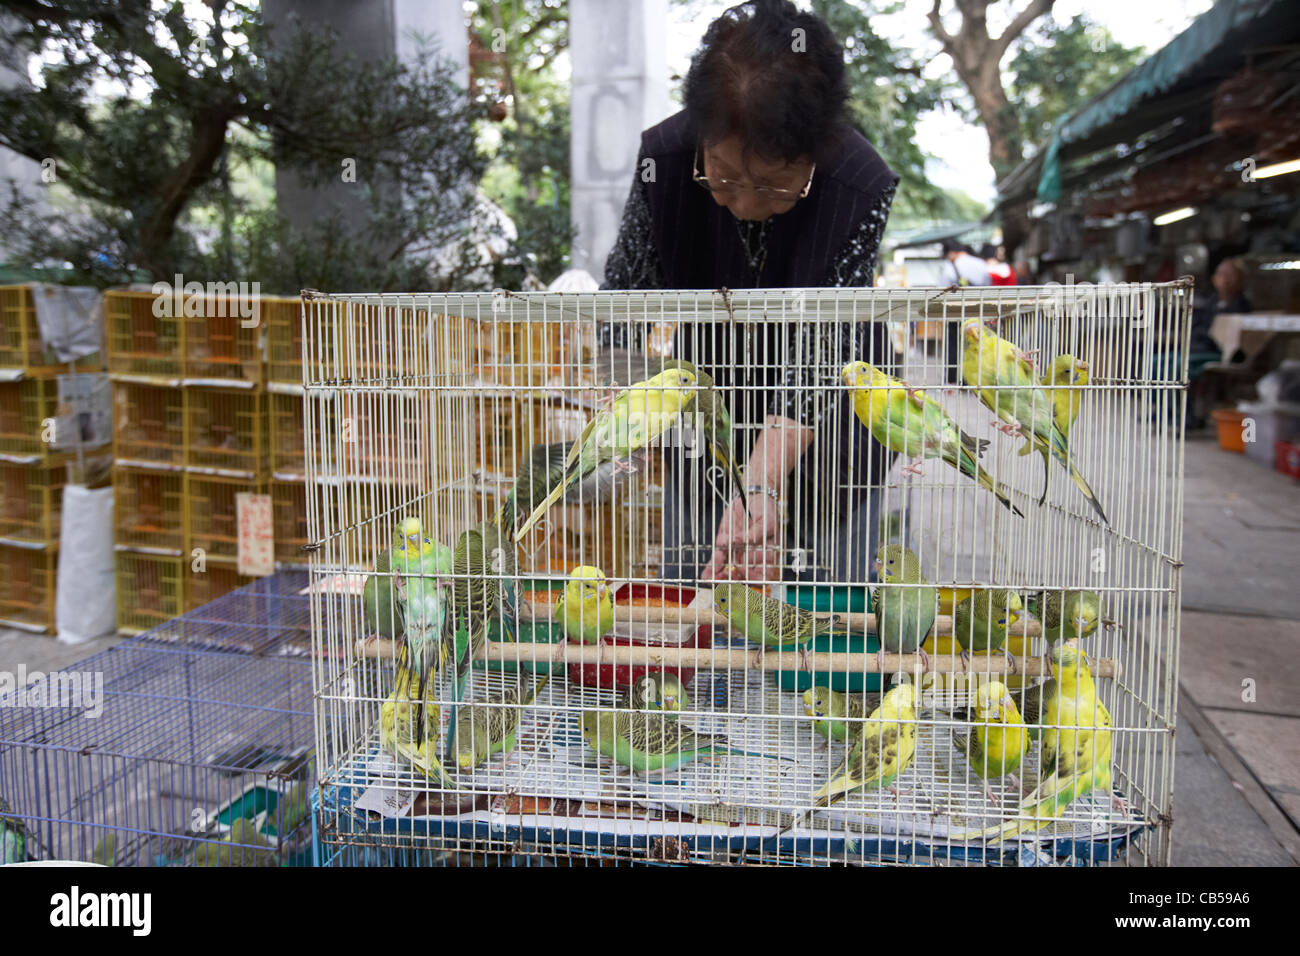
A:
[1012, 666]
[965, 660]
[913, 468]
[804, 661]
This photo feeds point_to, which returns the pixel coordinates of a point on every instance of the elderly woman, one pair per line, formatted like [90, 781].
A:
[761, 182]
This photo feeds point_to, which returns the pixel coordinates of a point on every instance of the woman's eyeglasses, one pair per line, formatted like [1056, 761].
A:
[731, 186]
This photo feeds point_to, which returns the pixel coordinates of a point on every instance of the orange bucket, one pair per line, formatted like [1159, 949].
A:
[1228, 421]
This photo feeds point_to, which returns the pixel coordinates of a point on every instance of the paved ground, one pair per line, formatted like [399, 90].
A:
[1237, 776]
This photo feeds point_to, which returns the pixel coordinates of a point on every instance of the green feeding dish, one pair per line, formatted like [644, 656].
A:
[537, 633]
[823, 597]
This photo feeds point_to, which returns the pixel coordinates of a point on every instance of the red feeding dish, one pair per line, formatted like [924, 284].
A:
[649, 596]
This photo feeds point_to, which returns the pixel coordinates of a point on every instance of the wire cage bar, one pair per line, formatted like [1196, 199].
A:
[1006, 488]
[171, 748]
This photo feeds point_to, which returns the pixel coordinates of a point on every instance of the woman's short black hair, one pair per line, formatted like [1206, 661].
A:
[773, 76]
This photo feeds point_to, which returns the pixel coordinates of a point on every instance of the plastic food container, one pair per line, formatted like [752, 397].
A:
[1228, 421]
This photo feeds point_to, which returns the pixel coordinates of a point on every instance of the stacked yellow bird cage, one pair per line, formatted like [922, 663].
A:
[950, 635]
[34, 464]
[192, 431]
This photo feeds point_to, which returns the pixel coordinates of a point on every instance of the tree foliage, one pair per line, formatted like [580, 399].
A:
[1059, 66]
[516, 45]
[148, 113]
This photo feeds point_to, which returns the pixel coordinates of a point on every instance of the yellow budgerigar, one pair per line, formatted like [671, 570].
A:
[635, 419]
[586, 608]
[1075, 755]
[998, 740]
[1063, 381]
[1004, 380]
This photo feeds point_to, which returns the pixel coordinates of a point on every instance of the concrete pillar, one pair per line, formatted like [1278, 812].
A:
[369, 29]
[24, 172]
[620, 87]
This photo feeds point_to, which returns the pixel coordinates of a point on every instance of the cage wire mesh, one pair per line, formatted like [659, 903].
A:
[549, 730]
[188, 745]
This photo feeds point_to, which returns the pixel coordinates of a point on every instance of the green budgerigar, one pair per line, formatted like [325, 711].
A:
[426, 609]
[998, 740]
[638, 417]
[586, 608]
[15, 844]
[883, 751]
[905, 605]
[907, 421]
[831, 707]
[1067, 615]
[656, 690]
[491, 727]
[1075, 756]
[482, 590]
[241, 846]
[1064, 382]
[769, 622]
[981, 621]
[1004, 380]
[652, 743]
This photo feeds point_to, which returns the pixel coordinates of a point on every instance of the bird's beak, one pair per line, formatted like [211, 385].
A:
[880, 565]
[1081, 365]
[1081, 624]
[1006, 702]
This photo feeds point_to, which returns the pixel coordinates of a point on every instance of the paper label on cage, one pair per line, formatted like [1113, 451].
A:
[256, 538]
[386, 801]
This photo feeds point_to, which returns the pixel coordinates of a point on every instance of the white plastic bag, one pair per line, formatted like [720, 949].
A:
[86, 605]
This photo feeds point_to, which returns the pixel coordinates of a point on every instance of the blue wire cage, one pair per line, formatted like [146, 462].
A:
[152, 752]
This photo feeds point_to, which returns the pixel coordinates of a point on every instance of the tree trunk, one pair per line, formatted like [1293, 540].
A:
[206, 146]
[976, 57]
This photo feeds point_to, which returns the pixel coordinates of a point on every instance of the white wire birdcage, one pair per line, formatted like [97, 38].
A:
[428, 407]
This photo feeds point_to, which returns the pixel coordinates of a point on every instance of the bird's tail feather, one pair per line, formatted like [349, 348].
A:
[1061, 452]
[969, 467]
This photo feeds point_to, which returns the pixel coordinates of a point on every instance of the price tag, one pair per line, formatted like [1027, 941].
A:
[256, 538]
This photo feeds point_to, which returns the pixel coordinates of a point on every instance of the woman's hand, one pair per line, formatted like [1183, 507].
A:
[749, 544]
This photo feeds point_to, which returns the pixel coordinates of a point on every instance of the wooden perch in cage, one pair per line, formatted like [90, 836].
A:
[741, 658]
[668, 616]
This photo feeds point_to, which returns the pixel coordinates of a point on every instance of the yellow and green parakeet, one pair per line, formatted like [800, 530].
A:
[651, 743]
[401, 733]
[635, 419]
[830, 708]
[998, 740]
[1063, 381]
[1067, 615]
[908, 421]
[410, 553]
[883, 751]
[490, 727]
[980, 622]
[656, 690]
[1004, 380]
[586, 608]
[1075, 756]
[905, 607]
[711, 419]
[769, 622]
